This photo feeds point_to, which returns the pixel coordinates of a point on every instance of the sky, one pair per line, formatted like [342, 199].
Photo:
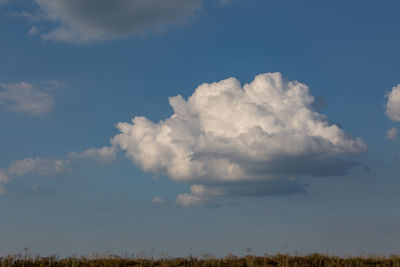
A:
[185, 127]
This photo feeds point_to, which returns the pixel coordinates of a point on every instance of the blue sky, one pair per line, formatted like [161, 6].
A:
[71, 72]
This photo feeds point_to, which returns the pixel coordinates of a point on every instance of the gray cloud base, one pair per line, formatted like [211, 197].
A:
[93, 20]
[206, 194]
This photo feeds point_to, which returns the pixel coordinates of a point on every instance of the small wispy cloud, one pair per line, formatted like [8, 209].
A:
[40, 166]
[105, 154]
[33, 31]
[36, 190]
[392, 134]
[52, 166]
[26, 98]
[158, 200]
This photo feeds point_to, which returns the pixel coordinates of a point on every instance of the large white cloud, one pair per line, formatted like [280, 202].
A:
[84, 21]
[393, 104]
[226, 135]
[26, 98]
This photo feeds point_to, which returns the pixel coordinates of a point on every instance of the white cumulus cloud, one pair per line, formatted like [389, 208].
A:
[92, 20]
[26, 98]
[227, 136]
[393, 104]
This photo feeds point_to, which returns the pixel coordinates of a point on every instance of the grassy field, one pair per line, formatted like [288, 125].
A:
[250, 261]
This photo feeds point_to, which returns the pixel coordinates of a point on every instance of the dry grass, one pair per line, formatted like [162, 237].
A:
[231, 261]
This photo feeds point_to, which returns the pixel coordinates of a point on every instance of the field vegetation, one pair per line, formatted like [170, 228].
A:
[280, 260]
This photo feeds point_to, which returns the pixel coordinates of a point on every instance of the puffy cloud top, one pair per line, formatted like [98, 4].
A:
[83, 21]
[227, 133]
[393, 104]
